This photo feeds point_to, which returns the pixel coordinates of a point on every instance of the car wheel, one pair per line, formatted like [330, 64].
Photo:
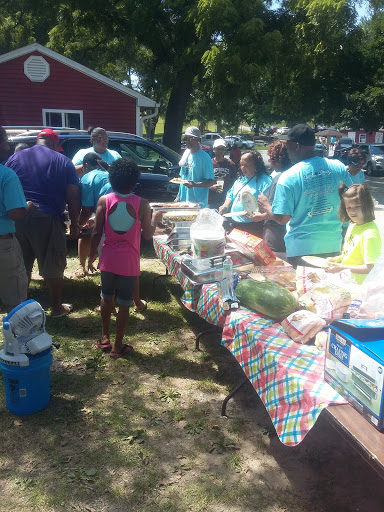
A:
[370, 169]
[244, 146]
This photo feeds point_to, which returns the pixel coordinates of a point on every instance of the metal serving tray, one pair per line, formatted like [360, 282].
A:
[179, 239]
[191, 269]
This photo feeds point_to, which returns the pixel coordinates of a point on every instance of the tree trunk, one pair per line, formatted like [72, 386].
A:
[219, 125]
[175, 114]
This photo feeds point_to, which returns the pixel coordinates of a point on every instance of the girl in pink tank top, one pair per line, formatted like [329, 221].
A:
[124, 217]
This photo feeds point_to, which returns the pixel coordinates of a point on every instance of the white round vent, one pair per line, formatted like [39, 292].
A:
[36, 68]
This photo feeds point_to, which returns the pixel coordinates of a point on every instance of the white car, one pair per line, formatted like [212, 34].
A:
[209, 138]
[240, 142]
[283, 130]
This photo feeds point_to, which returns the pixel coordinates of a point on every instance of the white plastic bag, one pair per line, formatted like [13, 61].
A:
[372, 292]
[208, 234]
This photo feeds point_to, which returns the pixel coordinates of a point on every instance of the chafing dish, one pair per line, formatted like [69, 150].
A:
[210, 270]
[179, 239]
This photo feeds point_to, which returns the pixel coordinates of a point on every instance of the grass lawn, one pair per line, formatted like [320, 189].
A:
[144, 433]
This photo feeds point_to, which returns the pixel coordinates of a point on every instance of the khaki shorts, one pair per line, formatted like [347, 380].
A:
[13, 277]
[42, 237]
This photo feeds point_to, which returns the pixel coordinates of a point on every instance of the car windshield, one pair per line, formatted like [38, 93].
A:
[377, 150]
[176, 155]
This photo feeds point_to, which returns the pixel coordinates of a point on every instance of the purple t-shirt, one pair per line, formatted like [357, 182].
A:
[44, 175]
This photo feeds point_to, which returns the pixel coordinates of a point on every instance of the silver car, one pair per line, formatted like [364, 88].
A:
[375, 158]
[240, 142]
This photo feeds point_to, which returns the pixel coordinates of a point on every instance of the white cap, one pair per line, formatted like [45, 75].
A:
[219, 143]
[192, 131]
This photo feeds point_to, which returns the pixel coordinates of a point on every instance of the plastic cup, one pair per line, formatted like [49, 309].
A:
[220, 186]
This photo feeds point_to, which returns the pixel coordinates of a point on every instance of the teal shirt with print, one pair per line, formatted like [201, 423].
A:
[255, 185]
[308, 192]
[198, 168]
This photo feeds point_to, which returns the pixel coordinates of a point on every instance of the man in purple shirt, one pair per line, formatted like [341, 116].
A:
[49, 179]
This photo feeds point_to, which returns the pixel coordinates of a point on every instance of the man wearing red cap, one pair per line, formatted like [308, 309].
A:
[50, 181]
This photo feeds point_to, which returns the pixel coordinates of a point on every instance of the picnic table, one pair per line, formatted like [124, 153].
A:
[287, 376]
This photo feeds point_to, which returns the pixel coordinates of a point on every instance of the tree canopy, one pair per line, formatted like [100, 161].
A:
[223, 60]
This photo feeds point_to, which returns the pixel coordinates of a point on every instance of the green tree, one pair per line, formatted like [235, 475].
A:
[365, 107]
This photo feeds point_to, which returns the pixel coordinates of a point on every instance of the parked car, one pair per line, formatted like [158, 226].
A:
[204, 147]
[208, 139]
[240, 142]
[375, 158]
[157, 163]
[283, 130]
[320, 150]
[342, 149]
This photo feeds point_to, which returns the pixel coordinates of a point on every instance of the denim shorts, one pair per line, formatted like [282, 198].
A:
[123, 286]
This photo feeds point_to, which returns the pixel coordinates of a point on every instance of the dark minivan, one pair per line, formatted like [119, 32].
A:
[157, 163]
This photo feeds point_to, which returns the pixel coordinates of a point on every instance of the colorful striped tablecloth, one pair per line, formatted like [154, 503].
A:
[287, 376]
[168, 257]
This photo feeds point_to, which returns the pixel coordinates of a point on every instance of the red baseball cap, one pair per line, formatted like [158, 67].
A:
[47, 133]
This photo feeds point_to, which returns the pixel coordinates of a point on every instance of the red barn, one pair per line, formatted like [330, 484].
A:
[39, 87]
[363, 137]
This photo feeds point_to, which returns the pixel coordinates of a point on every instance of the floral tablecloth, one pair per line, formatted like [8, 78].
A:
[287, 376]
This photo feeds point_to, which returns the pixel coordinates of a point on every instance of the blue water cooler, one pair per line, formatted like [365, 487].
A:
[25, 359]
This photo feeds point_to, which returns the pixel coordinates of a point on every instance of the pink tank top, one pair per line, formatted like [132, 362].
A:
[120, 253]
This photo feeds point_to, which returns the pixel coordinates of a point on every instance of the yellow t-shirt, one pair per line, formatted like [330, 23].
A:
[362, 245]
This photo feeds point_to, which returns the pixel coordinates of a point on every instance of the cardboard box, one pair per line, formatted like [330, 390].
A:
[252, 246]
[354, 365]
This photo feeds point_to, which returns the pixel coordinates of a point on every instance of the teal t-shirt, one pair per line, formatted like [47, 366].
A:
[108, 156]
[254, 185]
[11, 197]
[358, 179]
[198, 168]
[94, 184]
[308, 193]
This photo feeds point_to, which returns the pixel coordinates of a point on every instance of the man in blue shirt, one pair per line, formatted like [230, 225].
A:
[196, 169]
[99, 141]
[13, 276]
[49, 179]
[307, 199]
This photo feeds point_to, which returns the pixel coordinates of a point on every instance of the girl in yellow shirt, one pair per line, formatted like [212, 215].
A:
[362, 242]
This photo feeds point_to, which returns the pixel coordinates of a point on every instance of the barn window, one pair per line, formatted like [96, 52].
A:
[36, 68]
[63, 118]
[362, 138]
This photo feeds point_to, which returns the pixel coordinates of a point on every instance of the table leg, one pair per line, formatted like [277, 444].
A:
[215, 329]
[231, 394]
[162, 275]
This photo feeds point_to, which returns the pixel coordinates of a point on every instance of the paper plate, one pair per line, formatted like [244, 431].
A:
[316, 261]
[249, 202]
[178, 181]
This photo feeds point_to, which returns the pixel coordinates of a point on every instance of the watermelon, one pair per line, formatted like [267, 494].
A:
[267, 298]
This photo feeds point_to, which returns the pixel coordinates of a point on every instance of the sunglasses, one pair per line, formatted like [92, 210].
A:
[188, 139]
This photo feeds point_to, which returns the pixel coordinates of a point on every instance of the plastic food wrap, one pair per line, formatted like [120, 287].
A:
[283, 276]
[328, 300]
[252, 246]
[302, 325]
[308, 277]
[372, 292]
